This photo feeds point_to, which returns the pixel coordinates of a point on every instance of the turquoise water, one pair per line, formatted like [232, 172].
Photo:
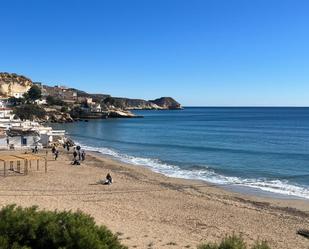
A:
[265, 149]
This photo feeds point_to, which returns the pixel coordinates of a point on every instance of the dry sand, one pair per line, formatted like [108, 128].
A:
[149, 210]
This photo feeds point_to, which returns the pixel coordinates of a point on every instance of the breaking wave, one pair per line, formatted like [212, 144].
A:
[282, 187]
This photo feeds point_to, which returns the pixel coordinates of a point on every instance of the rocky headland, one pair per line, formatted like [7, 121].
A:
[163, 103]
[63, 104]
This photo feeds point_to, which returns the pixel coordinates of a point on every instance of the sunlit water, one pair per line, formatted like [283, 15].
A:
[265, 149]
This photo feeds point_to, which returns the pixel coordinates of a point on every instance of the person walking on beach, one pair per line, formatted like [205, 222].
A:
[54, 149]
[83, 155]
[78, 152]
[74, 154]
[56, 154]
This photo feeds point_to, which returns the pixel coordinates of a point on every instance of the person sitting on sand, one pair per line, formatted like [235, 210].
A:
[109, 179]
[75, 162]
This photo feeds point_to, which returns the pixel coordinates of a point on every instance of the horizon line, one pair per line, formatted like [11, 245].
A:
[210, 106]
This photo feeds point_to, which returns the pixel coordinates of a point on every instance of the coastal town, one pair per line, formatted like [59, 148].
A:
[52, 181]
[27, 107]
[143, 208]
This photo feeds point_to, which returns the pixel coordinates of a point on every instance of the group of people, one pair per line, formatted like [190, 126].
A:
[78, 155]
[66, 146]
[35, 150]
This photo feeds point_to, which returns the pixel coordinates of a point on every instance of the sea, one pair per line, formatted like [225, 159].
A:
[259, 150]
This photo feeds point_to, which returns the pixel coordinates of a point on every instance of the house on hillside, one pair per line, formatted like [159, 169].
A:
[3, 102]
[86, 100]
[6, 113]
[96, 108]
[61, 92]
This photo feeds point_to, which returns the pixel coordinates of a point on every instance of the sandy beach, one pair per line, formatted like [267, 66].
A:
[150, 210]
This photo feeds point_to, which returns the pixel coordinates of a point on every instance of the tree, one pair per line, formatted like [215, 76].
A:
[50, 100]
[16, 101]
[34, 93]
[29, 112]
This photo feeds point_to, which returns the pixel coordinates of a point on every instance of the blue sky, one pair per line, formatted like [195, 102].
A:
[202, 52]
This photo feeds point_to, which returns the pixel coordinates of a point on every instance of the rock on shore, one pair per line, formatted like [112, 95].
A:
[121, 114]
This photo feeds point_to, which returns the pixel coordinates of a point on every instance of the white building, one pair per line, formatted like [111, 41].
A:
[3, 102]
[19, 137]
[18, 134]
[18, 94]
[96, 108]
[6, 113]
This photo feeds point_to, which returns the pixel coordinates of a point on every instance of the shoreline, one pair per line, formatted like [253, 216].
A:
[302, 204]
[232, 187]
[144, 207]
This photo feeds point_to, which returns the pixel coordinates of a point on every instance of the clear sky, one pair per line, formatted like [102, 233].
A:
[202, 52]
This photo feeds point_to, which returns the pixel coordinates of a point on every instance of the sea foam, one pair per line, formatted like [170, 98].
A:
[282, 187]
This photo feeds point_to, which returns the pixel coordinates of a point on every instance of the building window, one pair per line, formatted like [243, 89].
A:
[24, 141]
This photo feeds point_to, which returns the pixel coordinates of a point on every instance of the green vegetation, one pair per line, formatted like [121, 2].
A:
[64, 109]
[29, 111]
[234, 242]
[50, 100]
[28, 228]
[33, 93]
[77, 112]
[16, 101]
[260, 245]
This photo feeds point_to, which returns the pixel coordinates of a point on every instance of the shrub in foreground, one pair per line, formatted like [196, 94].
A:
[29, 228]
[234, 242]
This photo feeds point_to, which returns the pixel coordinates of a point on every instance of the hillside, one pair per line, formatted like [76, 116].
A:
[63, 104]
[163, 103]
[13, 85]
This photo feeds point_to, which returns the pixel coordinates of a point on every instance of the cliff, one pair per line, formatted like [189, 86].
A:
[166, 103]
[64, 104]
[130, 104]
[13, 85]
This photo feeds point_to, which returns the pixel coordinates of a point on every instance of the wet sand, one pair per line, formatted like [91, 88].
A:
[150, 210]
